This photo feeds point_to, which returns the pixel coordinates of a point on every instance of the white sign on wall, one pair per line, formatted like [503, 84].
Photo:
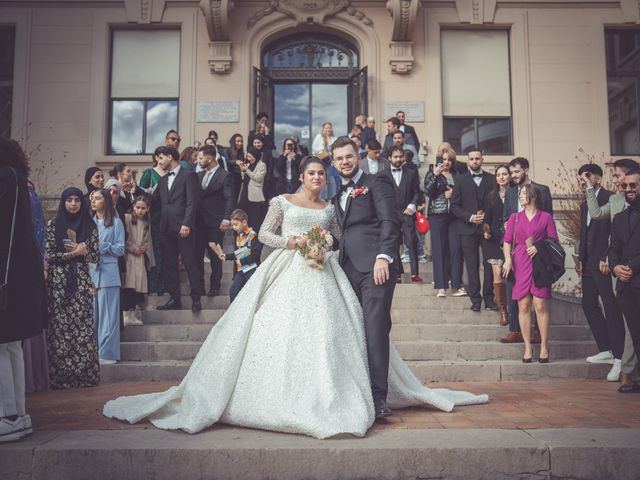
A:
[218, 111]
[414, 110]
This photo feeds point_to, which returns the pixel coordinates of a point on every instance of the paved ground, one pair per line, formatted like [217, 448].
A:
[514, 405]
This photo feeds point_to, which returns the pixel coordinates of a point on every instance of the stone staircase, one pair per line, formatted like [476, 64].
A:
[440, 338]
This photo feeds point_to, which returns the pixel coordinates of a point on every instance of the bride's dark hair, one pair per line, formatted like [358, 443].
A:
[308, 160]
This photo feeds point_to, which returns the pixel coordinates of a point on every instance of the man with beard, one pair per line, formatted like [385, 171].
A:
[519, 169]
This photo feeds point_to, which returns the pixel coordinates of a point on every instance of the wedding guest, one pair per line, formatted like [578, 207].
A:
[408, 130]
[269, 183]
[209, 141]
[373, 161]
[73, 351]
[524, 229]
[236, 152]
[321, 146]
[446, 252]
[188, 158]
[94, 180]
[393, 127]
[106, 277]
[608, 327]
[251, 198]
[262, 128]
[407, 191]
[177, 195]
[113, 187]
[172, 139]
[624, 261]
[139, 260]
[288, 165]
[23, 307]
[217, 201]
[129, 188]
[36, 364]
[493, 228]
[148, 181]
[245, 237]
[368, 132]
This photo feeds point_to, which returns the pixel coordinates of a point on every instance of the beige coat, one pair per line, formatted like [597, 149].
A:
[254, 190]
[137, 265]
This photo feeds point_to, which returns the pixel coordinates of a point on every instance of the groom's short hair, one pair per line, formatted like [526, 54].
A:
[343, 142]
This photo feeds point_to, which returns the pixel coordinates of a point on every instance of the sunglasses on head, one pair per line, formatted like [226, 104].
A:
[631, 186]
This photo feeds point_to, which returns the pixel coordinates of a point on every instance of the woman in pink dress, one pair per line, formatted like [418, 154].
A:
[524, 229]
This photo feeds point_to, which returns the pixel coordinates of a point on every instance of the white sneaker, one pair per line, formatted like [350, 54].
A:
[404, 259]
[423, 259]
[441, 293]
[26, 422]
[128, 318]
[614, 373]
[461, 292]
[602, 357]
[136, 318]
[10, 431]
[104, 361]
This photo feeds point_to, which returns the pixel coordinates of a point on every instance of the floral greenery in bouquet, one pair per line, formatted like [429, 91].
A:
[314, 245]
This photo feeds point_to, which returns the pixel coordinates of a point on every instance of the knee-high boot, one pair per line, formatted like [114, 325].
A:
[501, 300]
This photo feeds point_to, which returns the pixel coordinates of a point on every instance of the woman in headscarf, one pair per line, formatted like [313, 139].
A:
[71, 244]
[94, 180]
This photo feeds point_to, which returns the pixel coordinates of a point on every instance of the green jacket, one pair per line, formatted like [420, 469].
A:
[609, 210]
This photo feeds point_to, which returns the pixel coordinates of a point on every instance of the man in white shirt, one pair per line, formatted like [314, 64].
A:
[373, 163]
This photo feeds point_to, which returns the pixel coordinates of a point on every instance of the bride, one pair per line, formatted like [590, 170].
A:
[289, 355]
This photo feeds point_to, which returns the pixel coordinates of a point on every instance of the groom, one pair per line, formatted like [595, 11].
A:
[368, 217]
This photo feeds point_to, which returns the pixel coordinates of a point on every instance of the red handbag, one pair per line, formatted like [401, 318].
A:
[422, 224]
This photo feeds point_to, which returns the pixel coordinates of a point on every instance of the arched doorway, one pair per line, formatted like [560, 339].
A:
[307, 79]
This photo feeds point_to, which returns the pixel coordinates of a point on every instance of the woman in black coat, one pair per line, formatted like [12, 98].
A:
[23, 307]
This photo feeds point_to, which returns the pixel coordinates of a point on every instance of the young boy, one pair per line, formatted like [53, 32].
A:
[247, 253]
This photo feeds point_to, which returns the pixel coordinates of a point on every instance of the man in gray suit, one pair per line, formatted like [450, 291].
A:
[373, 162]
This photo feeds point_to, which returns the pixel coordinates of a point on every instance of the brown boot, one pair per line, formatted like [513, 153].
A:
[501, 300]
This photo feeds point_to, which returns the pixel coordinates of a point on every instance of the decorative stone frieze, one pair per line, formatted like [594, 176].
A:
[476, 11]
[216, 15]
[144, 11]
[310, 11]
[403, 14]
[401, 57]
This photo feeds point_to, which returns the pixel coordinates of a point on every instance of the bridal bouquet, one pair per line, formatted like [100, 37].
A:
[314, 245]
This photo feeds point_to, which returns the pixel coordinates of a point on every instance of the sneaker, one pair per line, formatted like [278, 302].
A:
[404, 258]
[26, 422]
[614, 373]
[423, 259]
[104, 361]
[602, 357]
[461, 292]
[11, 430]
[441, 293]
[128, 318]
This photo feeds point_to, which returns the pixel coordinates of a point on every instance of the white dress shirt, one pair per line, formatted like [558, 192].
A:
[373, 166]
[171, 178]
[207, 177]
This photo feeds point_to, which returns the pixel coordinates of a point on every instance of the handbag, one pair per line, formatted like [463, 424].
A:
[4, 288]
[322, 155]
[512, 276]
[422, 224]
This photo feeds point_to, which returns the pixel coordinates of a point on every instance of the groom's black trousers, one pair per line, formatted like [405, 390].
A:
[376, 306]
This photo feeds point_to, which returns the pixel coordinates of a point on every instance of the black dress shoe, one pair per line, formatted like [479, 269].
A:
[381, 408]
[629, 388]
[172, 304]
[196, 306]
[475, 308]
[213, 292]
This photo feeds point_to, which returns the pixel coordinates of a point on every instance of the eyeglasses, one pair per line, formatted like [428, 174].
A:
[346, 158]
[629, 186]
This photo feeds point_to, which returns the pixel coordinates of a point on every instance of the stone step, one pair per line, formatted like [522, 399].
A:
[432, 370]
[409, 350]
[431, 316]
[208, 303]
[180, 317]
[182, 331]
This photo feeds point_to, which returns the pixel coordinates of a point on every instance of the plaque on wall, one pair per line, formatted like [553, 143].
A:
[414, 110]
[218, 111]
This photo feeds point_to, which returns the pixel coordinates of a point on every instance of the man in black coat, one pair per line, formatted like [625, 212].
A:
[624, 258]
[519, 169]
[367, 214]
[177, 195]
[214, 212]
[407, 188]
[467, 200]
[607, 328]
[408, 130]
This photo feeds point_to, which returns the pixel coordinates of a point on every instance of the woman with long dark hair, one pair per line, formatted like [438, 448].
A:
[106, 276]
[252, 198]
[288, 166]
[94, 180]
[71, 245]
[493, 228]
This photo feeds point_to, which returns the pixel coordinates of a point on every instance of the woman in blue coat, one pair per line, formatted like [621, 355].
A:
[106, 277]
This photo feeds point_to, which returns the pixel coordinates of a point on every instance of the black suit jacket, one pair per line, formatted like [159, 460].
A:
[511, 201]
[370, 223]
[409, 189]
[217, 200]
[467, 199]
[178, 206]
[625, 248]
[409, 131]
[594, 240]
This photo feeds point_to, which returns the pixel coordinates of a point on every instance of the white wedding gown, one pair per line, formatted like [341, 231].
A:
[289, 354]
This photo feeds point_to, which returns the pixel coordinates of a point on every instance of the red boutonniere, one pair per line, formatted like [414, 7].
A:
[359, 191]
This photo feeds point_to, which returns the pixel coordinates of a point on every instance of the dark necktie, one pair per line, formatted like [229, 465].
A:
[396, 169]
[345, 186]
[172, 173]
[476, 175]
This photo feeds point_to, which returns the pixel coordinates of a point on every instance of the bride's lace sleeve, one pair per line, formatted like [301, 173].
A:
[272, 221]
[334, 228]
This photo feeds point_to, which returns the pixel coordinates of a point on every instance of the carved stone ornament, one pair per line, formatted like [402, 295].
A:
[216, 15]
[476, 11]
[630, 10]
[144, 11]
[404, 14]
[401, 60]
[310, 11]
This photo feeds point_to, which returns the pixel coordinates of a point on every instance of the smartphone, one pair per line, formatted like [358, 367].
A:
[67, 242]
[439, 160]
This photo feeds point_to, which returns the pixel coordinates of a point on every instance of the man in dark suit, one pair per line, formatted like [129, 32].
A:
[373, 163]
[214, 214]
[393, 126]
[519, 169]
[607, 329]
[367, 214]
[624, 259]
[407, 188]
[177, 195]
[466, 205]
[408, 130]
